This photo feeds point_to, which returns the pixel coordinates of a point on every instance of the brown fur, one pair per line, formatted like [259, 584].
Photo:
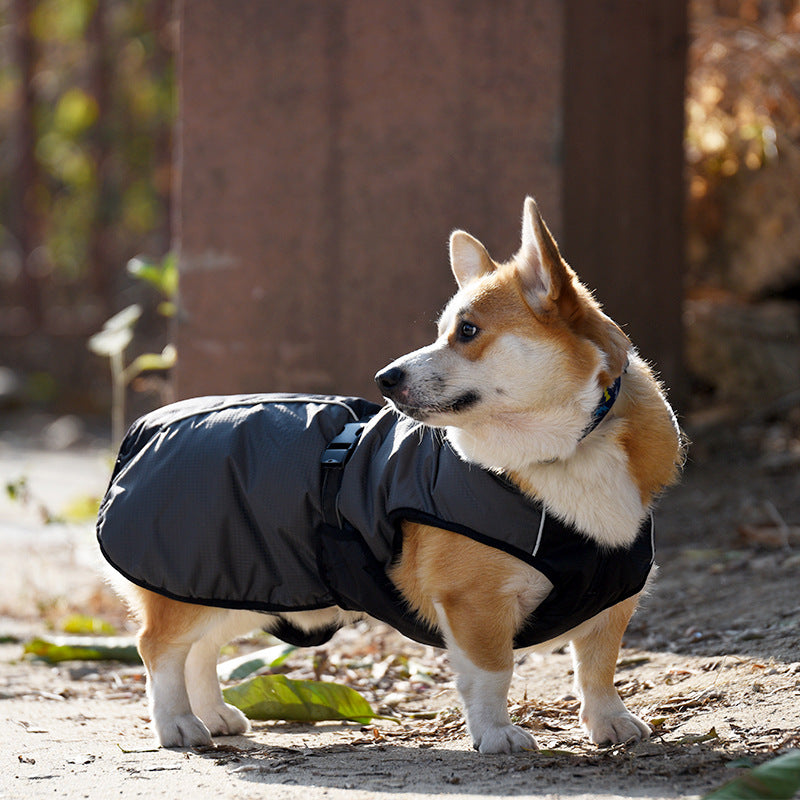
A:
[501, 300]
[166, 622]
[655, 448]
[483, 622]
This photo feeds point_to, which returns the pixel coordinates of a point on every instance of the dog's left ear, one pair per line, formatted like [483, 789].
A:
[544, 275]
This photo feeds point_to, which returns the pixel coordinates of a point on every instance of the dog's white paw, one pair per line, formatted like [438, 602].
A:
[224, 720]
[616, 727]
[504, 739]
[183, 730]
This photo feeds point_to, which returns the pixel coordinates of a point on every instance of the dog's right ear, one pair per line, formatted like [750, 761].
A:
[468, 258]
[545, 278]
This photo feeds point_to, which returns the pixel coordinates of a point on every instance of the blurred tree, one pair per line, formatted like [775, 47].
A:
[22, 225]
[87, 90]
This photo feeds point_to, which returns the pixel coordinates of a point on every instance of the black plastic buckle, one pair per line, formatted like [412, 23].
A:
[339, 449]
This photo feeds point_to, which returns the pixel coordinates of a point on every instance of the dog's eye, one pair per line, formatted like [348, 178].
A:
[467, 331]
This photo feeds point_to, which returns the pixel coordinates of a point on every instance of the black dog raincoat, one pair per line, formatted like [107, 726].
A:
[286, 503]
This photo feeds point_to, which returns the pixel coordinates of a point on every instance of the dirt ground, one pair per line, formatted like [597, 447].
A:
[712, 660]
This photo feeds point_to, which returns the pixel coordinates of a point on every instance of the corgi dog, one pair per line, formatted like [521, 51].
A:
[537, 396]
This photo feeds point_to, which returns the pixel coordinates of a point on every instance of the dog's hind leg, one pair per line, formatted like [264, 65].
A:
[165, 639]
[202, 683]
[595, 653]
[169, 632]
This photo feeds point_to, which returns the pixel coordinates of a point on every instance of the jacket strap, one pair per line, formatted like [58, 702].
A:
[333, 460]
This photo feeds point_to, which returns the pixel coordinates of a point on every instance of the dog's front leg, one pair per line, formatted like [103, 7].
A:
[594, 654]
[483, 661]
[478, 597]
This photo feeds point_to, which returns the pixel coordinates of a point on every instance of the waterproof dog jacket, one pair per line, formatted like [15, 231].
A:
[282, 503]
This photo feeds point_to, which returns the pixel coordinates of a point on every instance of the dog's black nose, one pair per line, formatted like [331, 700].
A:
[389, 379]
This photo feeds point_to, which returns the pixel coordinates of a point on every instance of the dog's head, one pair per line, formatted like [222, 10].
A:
[522, 357]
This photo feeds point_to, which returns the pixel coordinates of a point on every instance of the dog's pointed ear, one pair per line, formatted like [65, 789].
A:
[468, 258]
[540, 267]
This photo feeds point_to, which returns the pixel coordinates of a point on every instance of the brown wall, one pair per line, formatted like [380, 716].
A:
[623, 166]
[328, 149]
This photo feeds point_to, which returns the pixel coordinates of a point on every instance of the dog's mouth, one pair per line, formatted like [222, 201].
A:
[455, 406]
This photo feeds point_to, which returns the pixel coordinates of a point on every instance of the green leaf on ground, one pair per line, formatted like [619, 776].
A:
[278, 697]
[81, 624]
[234, 669]
[697, 738]
[778, 779]
[84, 648]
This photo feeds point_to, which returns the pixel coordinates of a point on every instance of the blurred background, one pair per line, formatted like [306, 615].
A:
[285, 178]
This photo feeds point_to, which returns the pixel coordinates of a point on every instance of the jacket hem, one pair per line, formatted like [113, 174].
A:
[237, 605]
